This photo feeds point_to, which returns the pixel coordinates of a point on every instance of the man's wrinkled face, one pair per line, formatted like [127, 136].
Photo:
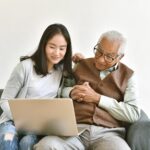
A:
[106, 54]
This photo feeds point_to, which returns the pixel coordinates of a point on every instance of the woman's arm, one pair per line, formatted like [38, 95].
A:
[13, 86]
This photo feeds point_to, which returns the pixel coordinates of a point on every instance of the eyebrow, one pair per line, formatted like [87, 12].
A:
[56, 45]
[106, 53]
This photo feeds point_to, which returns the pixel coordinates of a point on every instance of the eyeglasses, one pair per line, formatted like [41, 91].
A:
[99, 52]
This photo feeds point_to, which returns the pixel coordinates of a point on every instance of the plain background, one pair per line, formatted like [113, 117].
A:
[22, 23]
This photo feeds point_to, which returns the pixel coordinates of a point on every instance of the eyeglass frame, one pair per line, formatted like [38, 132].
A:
[99, 50]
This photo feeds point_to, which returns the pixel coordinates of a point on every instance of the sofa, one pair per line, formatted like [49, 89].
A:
[1, 90]
[138, 134]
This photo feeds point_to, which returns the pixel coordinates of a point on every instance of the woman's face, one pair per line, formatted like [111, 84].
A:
[55, 49]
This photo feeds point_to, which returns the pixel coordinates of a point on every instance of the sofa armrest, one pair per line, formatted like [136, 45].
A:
[1, 91]
[138, 134]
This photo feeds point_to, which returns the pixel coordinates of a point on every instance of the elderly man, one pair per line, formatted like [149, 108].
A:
[105, 99]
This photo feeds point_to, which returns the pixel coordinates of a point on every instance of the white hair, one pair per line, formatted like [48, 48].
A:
[115, 36]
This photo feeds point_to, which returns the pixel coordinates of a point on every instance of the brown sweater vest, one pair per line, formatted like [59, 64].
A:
[113, 86]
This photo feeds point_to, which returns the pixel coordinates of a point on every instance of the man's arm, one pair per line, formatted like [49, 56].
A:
[127, 110]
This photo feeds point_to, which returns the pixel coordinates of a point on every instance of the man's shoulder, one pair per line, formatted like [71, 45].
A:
[125, 70]
[124, 66]
[87, 61]
[85, 64]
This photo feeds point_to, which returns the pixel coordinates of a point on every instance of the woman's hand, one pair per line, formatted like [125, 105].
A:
[77, 57]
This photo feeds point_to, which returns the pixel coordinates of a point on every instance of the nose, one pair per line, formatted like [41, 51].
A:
[57, 51]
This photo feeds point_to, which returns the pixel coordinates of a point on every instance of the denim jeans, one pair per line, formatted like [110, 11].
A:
[18, 142]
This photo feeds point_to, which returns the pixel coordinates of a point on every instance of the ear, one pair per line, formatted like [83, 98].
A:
[121, 56]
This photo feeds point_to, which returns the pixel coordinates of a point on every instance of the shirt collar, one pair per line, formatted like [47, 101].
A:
[113, 68]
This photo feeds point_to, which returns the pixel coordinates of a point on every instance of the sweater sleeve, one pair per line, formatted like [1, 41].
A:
[68, 86]
[127, 110]
[13, 86]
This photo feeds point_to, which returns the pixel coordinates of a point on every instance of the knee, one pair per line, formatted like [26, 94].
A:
[9, 141]
[27, 142]
[48, 143]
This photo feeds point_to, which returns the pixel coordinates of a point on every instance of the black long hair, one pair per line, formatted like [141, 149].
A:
[39, 56]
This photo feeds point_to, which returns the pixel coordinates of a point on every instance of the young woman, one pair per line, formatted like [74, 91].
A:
[37, 76]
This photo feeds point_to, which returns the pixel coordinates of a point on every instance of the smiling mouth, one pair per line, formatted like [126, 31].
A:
[55, 57]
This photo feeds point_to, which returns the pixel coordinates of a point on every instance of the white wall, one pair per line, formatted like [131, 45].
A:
[22, 23]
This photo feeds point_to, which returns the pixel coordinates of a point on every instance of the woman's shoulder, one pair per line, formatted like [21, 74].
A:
[26, 64]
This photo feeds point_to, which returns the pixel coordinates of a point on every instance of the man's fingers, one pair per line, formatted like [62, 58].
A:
[80, 87]
[75, 94]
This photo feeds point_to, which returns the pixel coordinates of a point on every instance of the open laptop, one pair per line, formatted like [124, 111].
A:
[44, 116]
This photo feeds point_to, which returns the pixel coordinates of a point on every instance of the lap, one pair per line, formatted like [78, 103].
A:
[63, 143]
[110, 142]
[86, 140]
[7, 127]
[8, 136]
[8, 133]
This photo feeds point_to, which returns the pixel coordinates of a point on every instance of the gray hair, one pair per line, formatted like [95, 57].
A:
[115, 36]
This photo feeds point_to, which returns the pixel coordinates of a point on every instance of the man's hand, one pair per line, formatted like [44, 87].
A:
[85, 93]
[77, 57]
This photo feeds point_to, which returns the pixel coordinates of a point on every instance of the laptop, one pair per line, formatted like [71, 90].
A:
[44, 116]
